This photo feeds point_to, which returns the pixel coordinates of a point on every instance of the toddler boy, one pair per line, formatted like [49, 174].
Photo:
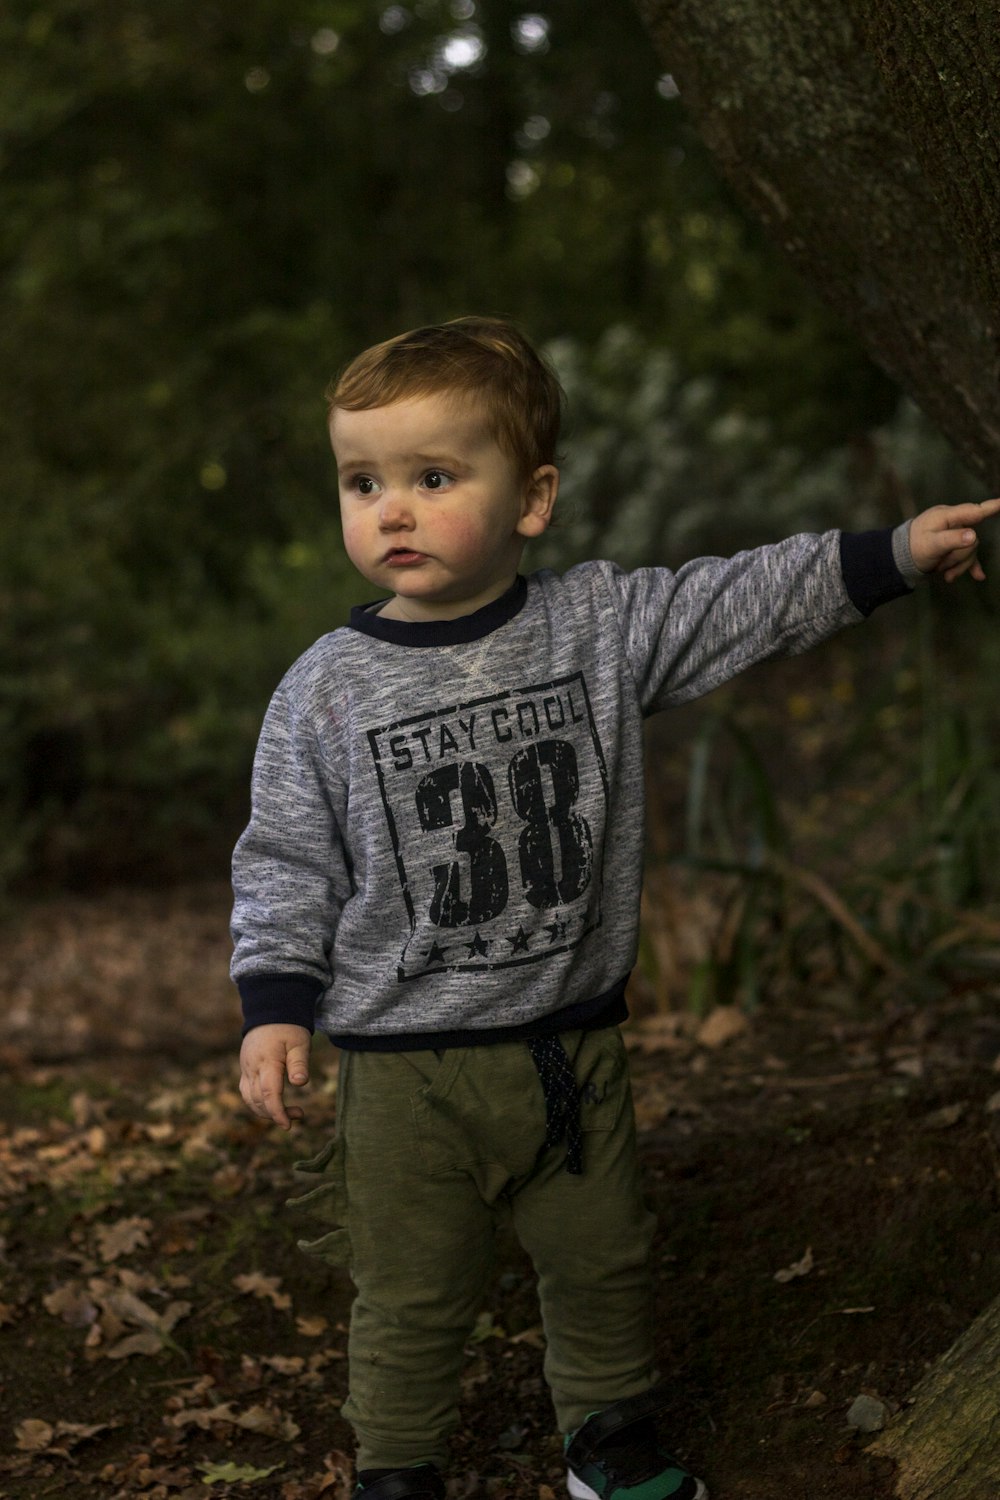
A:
[442, 872]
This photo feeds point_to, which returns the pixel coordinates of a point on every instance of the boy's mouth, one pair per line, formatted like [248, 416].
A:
[399, 557]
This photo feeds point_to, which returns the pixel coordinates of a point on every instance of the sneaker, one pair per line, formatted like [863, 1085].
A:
[423, 1482]
[617, 1455]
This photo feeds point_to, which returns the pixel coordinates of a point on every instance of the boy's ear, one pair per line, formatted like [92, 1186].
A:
[539, 500]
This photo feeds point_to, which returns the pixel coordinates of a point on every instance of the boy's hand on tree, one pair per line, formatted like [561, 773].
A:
[942, 539]
[268, 1055]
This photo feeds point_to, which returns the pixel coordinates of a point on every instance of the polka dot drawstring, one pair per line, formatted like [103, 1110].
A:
[562, 1098]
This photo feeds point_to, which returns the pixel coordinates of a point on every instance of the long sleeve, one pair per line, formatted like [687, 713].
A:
[290, 875]
[687, 632]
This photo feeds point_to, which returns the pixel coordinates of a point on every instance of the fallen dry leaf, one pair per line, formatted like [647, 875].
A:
[267, 1420]
[148, 1342]
[312, 1328]
[910, 1067]
[326, 1357]
[36, 1436]
[797, 1268]
[229, 1180]
[203, 1416]
[253, 1284]
[334, 1481]
[943, 1119]
[138, 1281]
[71, 1303]
[270, 1422]
[122, 1238]
[668, 1031]
[33, 1435]
[721, 1025]
[120, 1310]
[284, 1364]
[233, 1473]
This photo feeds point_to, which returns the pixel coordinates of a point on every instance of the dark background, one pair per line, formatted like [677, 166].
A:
[205, 209]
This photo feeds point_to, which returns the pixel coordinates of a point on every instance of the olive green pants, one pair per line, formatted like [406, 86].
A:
[433, 1152]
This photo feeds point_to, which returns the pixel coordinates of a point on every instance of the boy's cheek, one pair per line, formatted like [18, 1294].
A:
[354, 542]
[456, 534]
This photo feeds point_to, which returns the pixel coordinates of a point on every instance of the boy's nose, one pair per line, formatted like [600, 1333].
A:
[394, 514]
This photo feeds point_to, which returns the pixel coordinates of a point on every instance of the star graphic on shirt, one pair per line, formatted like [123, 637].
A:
[436, 955]
[519, 942]
[556, 931]
[477, 947]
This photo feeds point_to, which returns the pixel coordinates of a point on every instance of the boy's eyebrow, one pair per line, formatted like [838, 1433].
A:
[446, 460]
[449, 460]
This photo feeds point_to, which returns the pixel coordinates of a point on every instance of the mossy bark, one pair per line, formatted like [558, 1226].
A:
[946, 1446]
[865, 134]
[938, 64]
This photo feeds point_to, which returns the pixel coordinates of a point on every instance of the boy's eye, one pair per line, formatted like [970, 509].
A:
[436, 479]
[365, 485]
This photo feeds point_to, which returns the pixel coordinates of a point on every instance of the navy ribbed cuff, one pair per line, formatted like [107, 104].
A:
[279, 999]
[871, 576]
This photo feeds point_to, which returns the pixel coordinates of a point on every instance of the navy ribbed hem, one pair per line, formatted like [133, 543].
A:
[279, 1000]
[871, 576]
[607, 1009]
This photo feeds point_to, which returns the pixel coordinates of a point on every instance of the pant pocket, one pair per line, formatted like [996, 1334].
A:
[603, 1079]
[484, 1108]
[327, 1202]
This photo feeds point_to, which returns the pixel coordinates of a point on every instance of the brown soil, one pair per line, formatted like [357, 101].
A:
[157, 1322]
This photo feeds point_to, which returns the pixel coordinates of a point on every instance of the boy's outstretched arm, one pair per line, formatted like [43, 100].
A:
[942, 539]
[268, 1054]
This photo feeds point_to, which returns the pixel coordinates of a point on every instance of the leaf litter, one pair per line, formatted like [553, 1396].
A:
[161, 1336]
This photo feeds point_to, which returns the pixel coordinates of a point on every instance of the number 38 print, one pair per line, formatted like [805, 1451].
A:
[495, 809]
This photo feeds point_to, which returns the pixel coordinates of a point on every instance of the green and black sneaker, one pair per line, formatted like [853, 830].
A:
[617, 1455]
[423, 1482]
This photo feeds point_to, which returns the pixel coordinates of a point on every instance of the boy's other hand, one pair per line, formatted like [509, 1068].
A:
[268, 1055]
[942, 539]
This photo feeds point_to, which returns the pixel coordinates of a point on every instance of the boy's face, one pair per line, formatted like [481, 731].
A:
[433, 509]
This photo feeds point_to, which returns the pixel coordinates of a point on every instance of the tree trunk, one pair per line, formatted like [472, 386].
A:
[865, 134]
[947, 1444]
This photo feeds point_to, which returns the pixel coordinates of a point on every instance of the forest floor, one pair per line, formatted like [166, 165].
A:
[827, 1182]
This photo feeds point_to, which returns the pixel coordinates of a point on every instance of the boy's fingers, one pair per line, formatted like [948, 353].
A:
[298, 1064]
[272, 1081]
[968, 514]
[958, 540]
[955, 569]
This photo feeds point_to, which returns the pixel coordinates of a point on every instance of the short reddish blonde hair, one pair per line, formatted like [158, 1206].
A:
[487, 360]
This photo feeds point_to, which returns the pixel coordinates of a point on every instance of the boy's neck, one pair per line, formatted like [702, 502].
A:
[415, 612]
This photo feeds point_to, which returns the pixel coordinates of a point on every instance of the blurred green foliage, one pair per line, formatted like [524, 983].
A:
[905, 810]
[205, 208]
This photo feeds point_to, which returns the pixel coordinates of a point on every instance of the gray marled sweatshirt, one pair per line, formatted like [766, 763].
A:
[447, 829]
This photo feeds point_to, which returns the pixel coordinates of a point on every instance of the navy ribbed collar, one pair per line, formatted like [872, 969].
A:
[443, 632]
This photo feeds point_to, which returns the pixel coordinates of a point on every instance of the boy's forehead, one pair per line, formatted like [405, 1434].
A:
[442, 418]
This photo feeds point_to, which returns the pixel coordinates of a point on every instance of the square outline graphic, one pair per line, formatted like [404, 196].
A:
[592, 918]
